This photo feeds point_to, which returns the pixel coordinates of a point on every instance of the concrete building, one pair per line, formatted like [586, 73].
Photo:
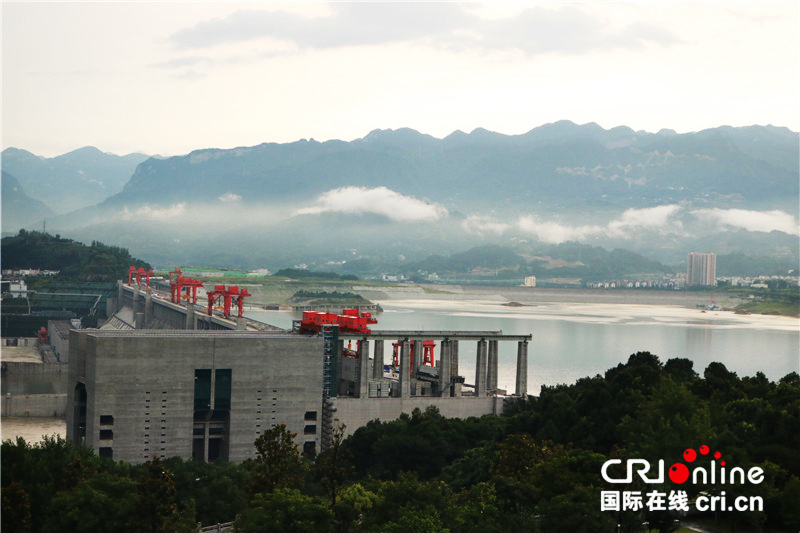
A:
[702, 269]
[15, 288]
[530, 281]
[194, 394]
[162, 379]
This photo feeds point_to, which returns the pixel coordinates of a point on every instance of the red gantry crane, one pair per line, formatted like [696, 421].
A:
[183, 288]
[138, 275]
[427, 353]
[222, 298]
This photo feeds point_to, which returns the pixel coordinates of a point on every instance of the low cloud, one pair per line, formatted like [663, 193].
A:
[480, 225]
[750, 220]
[379, 200]
[147, 212]
[555, 232]
[660, 219]
[230, 197]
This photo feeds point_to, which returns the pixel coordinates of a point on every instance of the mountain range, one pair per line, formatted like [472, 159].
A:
[19, 209]
[73, 180]
[397, 195]
[557, 166]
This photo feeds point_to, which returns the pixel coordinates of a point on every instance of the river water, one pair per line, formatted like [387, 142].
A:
[572, 340]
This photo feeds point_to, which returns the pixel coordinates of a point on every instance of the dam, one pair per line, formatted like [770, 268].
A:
[167, 377]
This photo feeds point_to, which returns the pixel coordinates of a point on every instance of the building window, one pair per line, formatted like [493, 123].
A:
[106, 420]
[106, 434]
[222, 389]
[310, 429]
[202, 389]
[106, 451]
[311, 416]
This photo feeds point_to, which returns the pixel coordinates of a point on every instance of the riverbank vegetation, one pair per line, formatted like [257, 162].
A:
[535, 468]
[322, 298]
[784, 302]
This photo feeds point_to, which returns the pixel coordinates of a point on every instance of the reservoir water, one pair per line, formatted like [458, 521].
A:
[573, 340]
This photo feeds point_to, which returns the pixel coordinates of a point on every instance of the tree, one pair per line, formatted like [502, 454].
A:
[285, 510]
[16, 509]
[41, 470]
[105, 502]
[278, 463]
[217, 488]
[420, 505]
[333, 465]
[518, 455]
[156, 505]
[577, 511]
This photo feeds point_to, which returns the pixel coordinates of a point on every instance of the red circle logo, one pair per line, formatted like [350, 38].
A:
[689, 455]
[678, 473]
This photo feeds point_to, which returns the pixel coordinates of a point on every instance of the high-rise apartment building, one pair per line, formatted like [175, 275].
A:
[702, 269]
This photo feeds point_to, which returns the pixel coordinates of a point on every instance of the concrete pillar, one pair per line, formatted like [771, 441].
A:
[444, 368]
[191, 320]
[138, 321]
[363, 369]
[119, 297]
[377, 361]
[454, 368]
[405, 365]
[522, 369]
[148, 308]
[241, 324]
[491, 367]
[135, 302]
[480, 369]
[417, 358]
[206, 433]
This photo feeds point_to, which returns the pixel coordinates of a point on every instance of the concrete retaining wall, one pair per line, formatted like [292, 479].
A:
[34, 378]
[34, 405]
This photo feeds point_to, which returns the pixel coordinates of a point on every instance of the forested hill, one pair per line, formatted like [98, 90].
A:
[74, 260]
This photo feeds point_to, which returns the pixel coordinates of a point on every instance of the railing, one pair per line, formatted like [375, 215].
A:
[218, 528]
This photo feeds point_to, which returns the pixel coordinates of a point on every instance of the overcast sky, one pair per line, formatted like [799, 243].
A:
[168, 78]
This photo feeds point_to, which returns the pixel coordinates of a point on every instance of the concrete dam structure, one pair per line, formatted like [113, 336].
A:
[170, 378]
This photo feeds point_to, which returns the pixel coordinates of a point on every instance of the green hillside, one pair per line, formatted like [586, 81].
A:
[73, 260]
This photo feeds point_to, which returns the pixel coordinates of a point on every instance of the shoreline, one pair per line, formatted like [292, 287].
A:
[533, 295]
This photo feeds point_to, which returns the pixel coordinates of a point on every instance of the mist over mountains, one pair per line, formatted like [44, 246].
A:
[399, 196]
